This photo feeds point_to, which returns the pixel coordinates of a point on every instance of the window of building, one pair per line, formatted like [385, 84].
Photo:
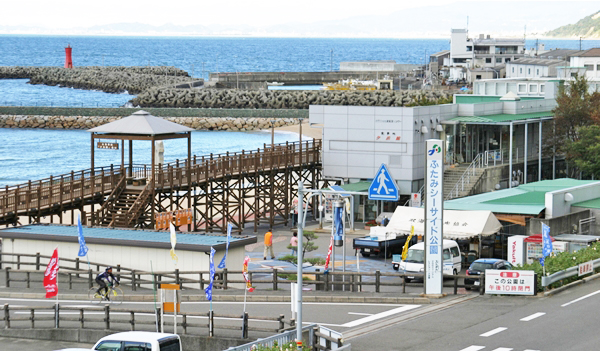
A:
[573, 74]
[469, 48]
[521, 70]
[478, 76]
[589, 67]
[533, 88]
[513, 70]
[507, 60]
[542, 88]
[522, 88]
[488, 60]
[498, 59]
[529, 71]
[537, 72]
[598, 67]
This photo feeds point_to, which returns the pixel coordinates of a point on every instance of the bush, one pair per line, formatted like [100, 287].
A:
[289, 346]
[562, 261]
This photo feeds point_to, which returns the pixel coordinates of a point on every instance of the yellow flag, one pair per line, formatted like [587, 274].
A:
[405, 248]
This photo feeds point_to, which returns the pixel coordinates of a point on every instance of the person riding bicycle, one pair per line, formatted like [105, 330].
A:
[105, 278]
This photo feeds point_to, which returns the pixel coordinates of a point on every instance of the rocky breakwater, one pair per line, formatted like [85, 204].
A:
[279, 99]
[118, 79]
[198, 123]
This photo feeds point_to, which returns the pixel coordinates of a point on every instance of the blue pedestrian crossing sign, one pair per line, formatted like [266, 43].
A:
[383, 186]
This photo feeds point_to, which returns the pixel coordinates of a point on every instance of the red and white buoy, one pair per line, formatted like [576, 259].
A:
[68, 58]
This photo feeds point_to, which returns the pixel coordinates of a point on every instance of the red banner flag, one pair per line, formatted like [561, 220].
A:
[51, 276]
[329, 255]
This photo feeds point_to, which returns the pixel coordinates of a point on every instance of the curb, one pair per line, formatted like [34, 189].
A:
[240, 298]
[570, 285]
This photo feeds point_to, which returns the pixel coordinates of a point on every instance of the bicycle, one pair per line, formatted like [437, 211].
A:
[112, 294]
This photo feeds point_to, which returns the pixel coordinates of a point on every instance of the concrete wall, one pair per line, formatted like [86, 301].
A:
[556, 205]
[567, 224]
[129, 256]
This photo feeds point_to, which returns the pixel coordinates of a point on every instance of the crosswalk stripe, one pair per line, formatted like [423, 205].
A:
[503, 349]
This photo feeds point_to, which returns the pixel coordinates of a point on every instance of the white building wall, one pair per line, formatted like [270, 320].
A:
[358, 139]
[556, 205]
[591, 63]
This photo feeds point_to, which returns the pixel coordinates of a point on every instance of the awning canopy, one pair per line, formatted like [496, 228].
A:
[457, 224]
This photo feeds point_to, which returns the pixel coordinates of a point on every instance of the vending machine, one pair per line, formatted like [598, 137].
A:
[534, 247]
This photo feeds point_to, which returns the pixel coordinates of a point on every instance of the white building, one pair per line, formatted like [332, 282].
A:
[482, 52]
[590, 60]
[533, 68]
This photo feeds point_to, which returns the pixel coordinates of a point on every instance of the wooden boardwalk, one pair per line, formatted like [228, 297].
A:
[196, 178]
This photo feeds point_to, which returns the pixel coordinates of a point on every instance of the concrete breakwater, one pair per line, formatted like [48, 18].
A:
[119, 79]
[198, 123]
[280, 99]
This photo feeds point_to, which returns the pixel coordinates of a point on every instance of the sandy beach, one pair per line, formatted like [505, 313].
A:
[307, 130]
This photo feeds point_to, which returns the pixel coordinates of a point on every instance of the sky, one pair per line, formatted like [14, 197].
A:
[72, 14]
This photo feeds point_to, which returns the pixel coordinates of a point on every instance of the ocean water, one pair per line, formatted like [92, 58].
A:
[199, 56]
[32, 154]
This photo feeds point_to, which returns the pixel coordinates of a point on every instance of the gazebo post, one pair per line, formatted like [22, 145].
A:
[189, 174]
[122, 156]
[92, 181]
[152, 182]
[130, 158]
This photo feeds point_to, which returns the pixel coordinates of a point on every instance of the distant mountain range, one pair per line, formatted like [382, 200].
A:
[498, 18]
[587, 27]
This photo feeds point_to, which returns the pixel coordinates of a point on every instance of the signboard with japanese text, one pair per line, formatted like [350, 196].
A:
[434, 209]
[509, 282]
[415, 200]
[586, 268]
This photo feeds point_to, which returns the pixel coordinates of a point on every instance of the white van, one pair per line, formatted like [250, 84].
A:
[415, 257]
[139, 341]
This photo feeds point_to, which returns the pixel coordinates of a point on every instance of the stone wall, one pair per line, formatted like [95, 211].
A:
[198, 123]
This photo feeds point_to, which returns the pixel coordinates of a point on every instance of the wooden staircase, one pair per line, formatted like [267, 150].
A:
[117, 214]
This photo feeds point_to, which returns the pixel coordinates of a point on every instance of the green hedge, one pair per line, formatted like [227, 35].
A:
[562, 261]
[160, 112]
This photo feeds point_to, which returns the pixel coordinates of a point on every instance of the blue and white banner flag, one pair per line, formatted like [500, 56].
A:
[229, 228]
[83, 249]
[546, 243]
[208, 289]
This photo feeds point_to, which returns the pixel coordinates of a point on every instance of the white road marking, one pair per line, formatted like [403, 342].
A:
[503, 349]
[492, 332]
[581, 298]
[473, 348]
[379, 316]
[533, 316]
[531, 350]
[361, 314]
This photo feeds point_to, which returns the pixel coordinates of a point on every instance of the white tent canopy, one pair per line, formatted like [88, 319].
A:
[457, 224]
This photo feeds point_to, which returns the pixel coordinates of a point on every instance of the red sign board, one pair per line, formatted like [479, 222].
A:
[51, 276]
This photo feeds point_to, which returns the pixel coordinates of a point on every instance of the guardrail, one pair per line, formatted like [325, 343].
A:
[91, 317]
[567, 273]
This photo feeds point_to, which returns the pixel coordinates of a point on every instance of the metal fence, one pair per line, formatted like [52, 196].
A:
[567, 273]
[73, 274]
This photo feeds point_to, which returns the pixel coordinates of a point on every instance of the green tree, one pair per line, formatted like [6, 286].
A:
[584, 152]
[576, 108]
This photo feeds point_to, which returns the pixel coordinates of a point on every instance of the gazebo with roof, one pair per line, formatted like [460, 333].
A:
[141, 125]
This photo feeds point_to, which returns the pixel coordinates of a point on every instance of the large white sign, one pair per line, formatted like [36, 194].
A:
[434, 209]
[509, 282]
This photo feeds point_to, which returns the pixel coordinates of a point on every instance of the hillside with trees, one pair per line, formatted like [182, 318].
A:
[587, 27]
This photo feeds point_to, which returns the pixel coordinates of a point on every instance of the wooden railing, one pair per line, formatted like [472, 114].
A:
[138, 206]
[109, 203]
[33, 196]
